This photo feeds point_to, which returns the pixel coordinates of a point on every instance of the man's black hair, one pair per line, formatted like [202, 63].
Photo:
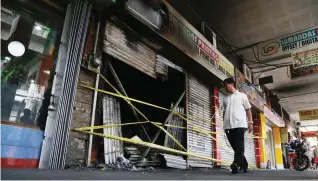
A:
[229, 80]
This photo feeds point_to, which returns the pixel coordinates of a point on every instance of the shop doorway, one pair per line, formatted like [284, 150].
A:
[161, 92]
[269, 148]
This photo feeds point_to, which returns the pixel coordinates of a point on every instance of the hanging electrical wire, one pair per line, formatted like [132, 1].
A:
[233, 49]
[298, 95]
[267, 64]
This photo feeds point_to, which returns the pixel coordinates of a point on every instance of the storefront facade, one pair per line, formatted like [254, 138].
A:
[41, 56]
[170, 64]
[147, 59]
[29, 51]
[273, 141]
[257, 101]
[223, 149]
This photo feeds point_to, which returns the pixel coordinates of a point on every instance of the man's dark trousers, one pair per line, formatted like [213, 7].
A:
[236, 139]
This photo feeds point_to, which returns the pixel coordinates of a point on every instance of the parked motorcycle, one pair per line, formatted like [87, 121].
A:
[301, 162]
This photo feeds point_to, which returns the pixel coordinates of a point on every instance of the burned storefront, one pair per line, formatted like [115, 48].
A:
[154, 102]
[138, 71]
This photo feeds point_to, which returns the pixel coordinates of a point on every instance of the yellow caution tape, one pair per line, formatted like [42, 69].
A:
[108, 126]
[128, 99]
[181, 127]
[131, 99]
[135, 100]
[138, 101]
[152, 145]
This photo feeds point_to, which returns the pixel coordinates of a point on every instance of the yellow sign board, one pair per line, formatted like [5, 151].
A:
[284, 135]
[227, 66]
[308, 115]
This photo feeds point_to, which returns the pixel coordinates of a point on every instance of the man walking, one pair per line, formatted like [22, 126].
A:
[237, 119]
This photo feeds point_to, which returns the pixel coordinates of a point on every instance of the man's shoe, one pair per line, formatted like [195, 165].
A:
[234, 168]
[243, 169]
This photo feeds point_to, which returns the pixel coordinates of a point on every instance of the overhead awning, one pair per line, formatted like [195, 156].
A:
[275, 119]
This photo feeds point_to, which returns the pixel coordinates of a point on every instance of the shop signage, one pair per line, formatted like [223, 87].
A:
[255, 97]
[184, 36]
[304, 63]
[305, 59]
[284, 135]
[303, 71]
[284, 46]
[310, 134]
[308, 115]
[271, 116]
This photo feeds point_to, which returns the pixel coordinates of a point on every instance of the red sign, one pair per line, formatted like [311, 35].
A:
[303, 71]
[310, 133]
[207, 49]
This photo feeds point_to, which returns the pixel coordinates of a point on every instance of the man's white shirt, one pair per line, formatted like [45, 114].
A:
[235, 106]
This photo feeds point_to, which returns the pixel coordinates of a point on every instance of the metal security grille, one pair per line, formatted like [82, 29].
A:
[111, 115]
[200, 107]
[227, 153]
[133, 53]
[177, 133]
[65, 83]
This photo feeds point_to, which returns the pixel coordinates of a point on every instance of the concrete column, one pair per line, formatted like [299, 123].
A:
[81, 117]
[278, 148]
[262, 141]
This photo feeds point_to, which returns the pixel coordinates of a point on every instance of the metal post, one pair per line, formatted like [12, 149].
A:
[215, 43]
[121, 87]
[163, 124]
[186, 81]
[202, 28]
[90, 142]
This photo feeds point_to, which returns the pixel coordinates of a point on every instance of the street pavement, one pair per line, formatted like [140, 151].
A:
[157, 174]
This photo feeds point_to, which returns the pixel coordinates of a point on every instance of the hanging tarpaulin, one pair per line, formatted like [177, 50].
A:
[304, 63]
[305, 59]
[303, 71]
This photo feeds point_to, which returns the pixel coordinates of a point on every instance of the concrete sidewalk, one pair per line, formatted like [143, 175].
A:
[90, 174]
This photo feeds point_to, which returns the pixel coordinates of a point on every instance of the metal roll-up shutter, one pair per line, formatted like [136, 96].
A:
[227, 153]
[135, 54]
[199, 106]
[250, 152]
[111, 115]
[58, 125]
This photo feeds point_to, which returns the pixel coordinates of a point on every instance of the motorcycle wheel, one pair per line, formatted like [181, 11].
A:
[305, 163]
